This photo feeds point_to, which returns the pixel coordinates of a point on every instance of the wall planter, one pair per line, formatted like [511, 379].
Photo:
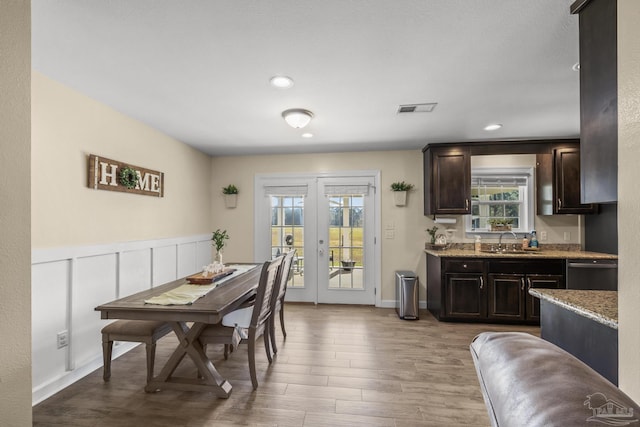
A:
[400, 198]
[230, 200]
[230, 193]
[400, 190]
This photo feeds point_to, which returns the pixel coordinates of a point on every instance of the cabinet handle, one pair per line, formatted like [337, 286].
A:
[559, 203]
[466, 204]
[481, 282]
[528, 283]
[522, 283]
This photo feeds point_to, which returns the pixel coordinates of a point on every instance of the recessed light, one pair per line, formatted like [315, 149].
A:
[494, 126]
[307, 135]
[282, 82]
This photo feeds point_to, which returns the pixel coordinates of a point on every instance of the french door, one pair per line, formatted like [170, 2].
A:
[331, 222]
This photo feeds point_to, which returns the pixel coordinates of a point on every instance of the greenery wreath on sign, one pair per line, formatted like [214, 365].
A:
[128, 177]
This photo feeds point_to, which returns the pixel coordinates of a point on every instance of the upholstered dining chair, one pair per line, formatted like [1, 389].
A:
[247, 324]
[278, 300]
[144, 331]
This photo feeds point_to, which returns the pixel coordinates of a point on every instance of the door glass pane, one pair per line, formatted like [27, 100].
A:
[346, 245]
[287, 233]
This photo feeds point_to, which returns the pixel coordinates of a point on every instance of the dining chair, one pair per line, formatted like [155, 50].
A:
[144, 331]
[247, 324]
[278, 300]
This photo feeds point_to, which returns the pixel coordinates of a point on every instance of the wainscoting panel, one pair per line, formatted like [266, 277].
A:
[135, 272]
[94, 283]
[69, 282]
[164, 264]
[49, 307]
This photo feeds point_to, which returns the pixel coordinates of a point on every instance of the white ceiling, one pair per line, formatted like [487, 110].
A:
[199, 70]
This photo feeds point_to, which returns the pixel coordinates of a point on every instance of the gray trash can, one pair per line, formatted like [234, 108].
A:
[407, 295]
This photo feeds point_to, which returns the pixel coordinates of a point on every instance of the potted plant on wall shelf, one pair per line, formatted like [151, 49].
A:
[400, 190]
[230, 193]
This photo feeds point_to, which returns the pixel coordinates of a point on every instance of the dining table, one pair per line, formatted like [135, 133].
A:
[188, 321]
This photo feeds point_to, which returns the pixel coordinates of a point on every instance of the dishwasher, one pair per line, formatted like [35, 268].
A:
[600, 274]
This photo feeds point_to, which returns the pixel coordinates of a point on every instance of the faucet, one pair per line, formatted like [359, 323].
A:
[515, 236]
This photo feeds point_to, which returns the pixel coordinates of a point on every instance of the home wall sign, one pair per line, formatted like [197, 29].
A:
[112, 175]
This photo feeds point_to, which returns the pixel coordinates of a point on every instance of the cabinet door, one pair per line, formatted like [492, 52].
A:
[547, 281]
[567, 183]
[598, 100]
[464, 296]
[506, 296]
[448, 181]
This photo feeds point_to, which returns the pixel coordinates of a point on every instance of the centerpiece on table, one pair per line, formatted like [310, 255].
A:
[216, 269]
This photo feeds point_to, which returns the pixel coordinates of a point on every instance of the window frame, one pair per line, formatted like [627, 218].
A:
[527, 212]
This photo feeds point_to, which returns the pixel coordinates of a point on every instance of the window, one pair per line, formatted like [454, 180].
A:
[501, 196]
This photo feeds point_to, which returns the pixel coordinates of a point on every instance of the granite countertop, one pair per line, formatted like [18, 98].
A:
[542, 253]
[601, 306]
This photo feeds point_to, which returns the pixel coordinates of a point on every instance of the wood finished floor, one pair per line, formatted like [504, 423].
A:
[339, 366]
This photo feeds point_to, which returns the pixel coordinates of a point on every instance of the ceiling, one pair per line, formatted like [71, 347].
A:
[199, 70]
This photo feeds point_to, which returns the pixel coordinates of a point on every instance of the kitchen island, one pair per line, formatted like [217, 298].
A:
[584, 323]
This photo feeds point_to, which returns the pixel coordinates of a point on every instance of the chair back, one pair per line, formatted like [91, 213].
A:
[266, 286]
[284, 278]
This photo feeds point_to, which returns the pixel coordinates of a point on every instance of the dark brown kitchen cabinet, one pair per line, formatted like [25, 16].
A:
[489, 289]
[558, 181]
[464, 296]
[509, 299]
[447, 180]
[598, 99]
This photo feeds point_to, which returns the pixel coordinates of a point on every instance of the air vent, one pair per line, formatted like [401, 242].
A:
[417, 108]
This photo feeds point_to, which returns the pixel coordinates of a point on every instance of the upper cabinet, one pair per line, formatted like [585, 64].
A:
[558, 181]
[598, 100]
[447, 180]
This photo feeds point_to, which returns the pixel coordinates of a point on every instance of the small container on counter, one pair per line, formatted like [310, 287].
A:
[525, 243]
[478, 244]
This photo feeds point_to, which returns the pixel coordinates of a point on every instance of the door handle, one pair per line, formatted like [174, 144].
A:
[320, 251]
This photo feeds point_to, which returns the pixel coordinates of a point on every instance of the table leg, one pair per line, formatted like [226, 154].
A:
[189, 345]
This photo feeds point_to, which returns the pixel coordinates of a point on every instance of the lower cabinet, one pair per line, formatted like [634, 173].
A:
[489, 290]
[509, 299]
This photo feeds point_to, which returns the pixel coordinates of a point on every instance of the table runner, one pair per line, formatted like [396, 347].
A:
[187, 294]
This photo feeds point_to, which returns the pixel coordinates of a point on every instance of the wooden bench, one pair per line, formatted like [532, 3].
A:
[527, 381]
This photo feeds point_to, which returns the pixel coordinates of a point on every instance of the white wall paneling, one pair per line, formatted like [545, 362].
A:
[68, 283]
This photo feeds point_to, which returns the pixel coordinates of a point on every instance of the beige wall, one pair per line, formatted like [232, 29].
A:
[15, 250]
[67, 126]
[628, 195]
[401, 253]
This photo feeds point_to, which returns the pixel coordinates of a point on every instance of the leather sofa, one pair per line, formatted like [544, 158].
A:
[527, 381]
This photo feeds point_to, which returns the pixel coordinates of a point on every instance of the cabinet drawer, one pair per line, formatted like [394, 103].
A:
[463, 266]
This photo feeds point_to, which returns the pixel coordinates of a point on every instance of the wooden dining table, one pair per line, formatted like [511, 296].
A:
[207, 310]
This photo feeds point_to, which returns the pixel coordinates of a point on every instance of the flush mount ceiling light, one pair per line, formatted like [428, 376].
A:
[307, 135]
[282, 82]
[297, 117]
[494, 126]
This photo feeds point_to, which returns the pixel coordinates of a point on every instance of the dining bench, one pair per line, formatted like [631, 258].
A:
[527, 381]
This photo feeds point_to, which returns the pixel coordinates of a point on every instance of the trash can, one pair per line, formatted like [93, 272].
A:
[407, 295]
